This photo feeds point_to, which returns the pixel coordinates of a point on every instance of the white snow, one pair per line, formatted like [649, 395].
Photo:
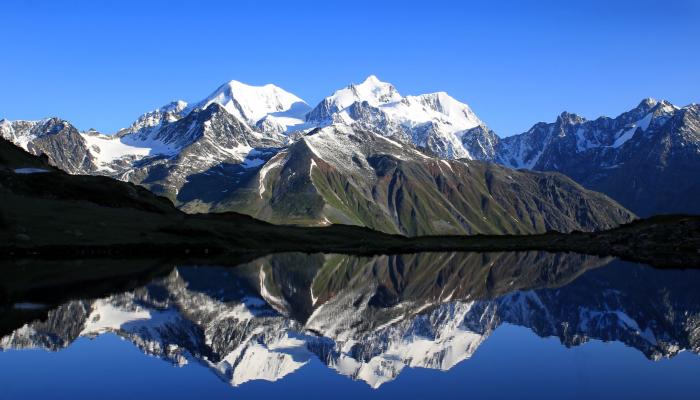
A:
[624, 137]
[628, 133]
[433, 107]
[239, 152]
[274, 162]
[253, 103]
[371, 90]
[105, 317]
[447, 163]
[531, 163]
[332, 144]
[106, 149]
[437, 347]
[256, 361]
[449, 118]
[393, 142]
[19, 131]
[582, 143]
[644, 122]
[284, 124]
[276, 302]
[168, 113]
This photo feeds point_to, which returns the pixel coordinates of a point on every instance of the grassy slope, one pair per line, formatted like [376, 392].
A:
[383, 189]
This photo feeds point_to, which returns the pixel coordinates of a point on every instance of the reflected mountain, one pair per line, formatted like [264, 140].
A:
[370, 317]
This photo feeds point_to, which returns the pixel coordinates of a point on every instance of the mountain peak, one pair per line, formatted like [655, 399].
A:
[252, 103]
[647, 103]
[459, 115]
[434, 120]
[238, 86]
[372, 80]
[570, 118]
[371, 90]
[168, 113]
[174, 106]
[653, 105]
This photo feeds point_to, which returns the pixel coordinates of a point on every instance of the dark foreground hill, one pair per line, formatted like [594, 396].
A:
[47, 213]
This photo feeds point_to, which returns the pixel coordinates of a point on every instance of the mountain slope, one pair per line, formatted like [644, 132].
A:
[209, 143]
[342, 175]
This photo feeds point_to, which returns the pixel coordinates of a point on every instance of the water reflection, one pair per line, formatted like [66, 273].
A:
[369, 318]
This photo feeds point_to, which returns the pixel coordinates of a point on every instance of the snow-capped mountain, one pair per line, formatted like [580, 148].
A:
[647, 158]
[364, 156]
[217, 154]
[435, 121]
[260, 112]
[574, 134]
[266, 319]
[206, 141]
[372, 90]
[170, 112]
[267, 107]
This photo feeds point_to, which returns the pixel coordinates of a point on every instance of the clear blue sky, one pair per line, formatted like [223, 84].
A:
[101, 65]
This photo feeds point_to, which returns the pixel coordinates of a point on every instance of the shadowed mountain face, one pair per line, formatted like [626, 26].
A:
[369, 318]
[647, 158]
[57, 139]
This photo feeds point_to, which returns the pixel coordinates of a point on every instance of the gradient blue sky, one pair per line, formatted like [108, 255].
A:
[515, 62]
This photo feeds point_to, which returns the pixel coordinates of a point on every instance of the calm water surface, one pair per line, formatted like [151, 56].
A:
[453, 325]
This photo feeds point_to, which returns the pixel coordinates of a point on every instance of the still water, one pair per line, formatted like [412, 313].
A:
[453, 325]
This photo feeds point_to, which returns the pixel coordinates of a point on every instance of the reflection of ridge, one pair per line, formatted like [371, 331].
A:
[370, 317]
[656, 312]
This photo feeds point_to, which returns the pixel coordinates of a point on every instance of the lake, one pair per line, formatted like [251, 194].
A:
[445, 325]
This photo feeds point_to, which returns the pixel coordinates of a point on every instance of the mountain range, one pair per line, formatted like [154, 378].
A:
[648, 158]
[366, 155]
